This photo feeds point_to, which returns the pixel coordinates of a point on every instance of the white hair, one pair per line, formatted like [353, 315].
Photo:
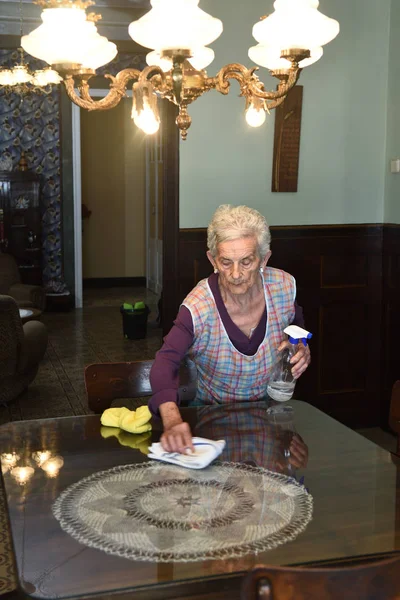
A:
[235, 222]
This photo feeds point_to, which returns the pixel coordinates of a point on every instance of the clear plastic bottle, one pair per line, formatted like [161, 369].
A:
[282, 383]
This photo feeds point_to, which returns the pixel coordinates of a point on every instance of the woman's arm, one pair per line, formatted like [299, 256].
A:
[164, 381]
[164, 374]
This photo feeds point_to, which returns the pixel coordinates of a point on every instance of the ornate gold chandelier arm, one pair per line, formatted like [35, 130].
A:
[118, 86]
[256, 87]
[116, 93]
[275, 103]
[250, 85]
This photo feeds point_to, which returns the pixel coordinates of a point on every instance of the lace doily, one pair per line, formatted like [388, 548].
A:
[164, 513]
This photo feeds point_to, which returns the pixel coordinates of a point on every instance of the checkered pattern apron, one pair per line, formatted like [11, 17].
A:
[224, 374]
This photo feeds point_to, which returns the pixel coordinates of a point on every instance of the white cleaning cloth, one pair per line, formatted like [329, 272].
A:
[205, 451]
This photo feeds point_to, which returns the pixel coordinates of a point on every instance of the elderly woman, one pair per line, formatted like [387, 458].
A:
[231, 324]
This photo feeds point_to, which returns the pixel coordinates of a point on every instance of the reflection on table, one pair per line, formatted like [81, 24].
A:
[354, 484]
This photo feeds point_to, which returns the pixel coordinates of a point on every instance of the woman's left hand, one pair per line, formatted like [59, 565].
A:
[298, 452]
[300, 360]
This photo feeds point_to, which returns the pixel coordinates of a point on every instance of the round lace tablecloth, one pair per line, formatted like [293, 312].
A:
[164, 513]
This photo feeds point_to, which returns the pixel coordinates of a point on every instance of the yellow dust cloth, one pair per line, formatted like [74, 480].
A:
[137, 442]
[111, 417]
[133, 421]
[137, 421]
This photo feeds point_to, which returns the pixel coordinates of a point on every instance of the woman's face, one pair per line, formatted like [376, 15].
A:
[238, 264]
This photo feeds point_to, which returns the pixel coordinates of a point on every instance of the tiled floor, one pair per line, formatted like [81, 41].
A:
[77, 339]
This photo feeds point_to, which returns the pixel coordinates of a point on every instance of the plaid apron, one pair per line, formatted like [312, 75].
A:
[223, 373]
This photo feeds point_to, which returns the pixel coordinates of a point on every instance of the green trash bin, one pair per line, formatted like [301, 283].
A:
[134, 320]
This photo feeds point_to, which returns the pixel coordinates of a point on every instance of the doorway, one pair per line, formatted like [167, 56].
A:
[118, 184]
[168, 216]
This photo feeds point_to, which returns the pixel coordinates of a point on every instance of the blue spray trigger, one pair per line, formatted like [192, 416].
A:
[295, 341]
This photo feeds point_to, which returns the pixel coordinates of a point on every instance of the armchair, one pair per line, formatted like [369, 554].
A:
[22, 347]
[10, 284]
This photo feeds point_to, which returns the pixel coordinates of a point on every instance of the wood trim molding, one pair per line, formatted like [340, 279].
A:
[170, 291]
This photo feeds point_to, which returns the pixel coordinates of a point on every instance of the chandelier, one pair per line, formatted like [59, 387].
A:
[21, 80]
[179, 33]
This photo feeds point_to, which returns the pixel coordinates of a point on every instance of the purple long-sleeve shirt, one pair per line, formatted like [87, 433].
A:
[164, 375]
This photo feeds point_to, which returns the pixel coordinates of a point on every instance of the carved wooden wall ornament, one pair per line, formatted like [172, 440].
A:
[285, 169]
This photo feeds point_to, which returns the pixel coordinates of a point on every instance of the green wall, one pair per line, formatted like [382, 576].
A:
[392, 190]
[343, 161]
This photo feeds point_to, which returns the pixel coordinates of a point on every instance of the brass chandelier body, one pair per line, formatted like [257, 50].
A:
[182, 85]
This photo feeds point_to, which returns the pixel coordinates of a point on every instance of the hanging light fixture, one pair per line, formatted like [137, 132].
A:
[178, 33]
[20, 79]
[68, 38]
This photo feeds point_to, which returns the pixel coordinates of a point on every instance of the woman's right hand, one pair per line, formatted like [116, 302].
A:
[177, 438]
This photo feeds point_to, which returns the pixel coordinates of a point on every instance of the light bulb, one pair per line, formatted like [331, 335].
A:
[255, 117]
[146, 121]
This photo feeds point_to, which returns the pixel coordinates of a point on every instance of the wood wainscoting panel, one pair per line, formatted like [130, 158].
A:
[391, 313]
[340, 285]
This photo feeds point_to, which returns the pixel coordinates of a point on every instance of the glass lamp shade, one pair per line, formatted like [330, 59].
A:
[21, 74]
[269, 57]
[66, 37]
[154, 58]
[296, 24]
[6, 77]
[201, 58]
[175, 24]
[45, 77]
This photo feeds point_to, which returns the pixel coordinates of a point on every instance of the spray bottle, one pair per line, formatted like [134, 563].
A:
[281, 384]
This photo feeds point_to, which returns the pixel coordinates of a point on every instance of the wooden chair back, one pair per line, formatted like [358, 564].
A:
[106, 382]
[377, 580]
[394, 414]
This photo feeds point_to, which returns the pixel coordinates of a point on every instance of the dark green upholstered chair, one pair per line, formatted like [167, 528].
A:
[22, 347]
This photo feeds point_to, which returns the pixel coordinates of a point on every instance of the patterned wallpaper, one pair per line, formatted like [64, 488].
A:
[31, 122]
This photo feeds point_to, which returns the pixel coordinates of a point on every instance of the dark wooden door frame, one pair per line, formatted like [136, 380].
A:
[170, 274]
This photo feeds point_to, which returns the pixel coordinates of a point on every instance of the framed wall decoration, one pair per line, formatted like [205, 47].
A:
[285, 168]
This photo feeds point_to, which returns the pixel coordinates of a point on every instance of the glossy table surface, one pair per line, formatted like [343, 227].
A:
[354, 483]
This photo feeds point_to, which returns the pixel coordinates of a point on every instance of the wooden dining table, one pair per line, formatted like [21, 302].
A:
[354, 484]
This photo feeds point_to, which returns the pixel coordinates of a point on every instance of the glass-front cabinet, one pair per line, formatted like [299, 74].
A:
[21, 222]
